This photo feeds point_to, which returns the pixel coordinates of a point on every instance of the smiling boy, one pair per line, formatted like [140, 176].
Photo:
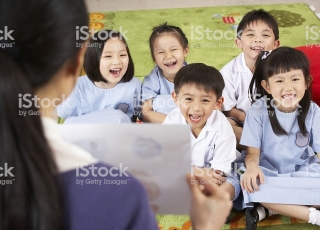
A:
[258, 31]
[198, 95]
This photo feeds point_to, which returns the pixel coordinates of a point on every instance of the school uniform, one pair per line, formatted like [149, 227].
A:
[106, 116]
[237, 77]
[87, 98]
[156, 86]
[289, 163]
[215, 147]
[89, 204]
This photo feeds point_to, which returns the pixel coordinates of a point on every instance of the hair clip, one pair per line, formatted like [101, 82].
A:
[266, 54]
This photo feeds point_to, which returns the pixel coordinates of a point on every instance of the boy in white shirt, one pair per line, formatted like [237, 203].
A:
[258, 31]
[198, 95]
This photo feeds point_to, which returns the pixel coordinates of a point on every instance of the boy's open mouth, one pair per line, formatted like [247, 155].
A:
[195, 118]
[257, 48]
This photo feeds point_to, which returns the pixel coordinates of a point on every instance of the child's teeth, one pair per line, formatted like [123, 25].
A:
[195, 117]
[171, 63]
[115, 70]
[287, 96]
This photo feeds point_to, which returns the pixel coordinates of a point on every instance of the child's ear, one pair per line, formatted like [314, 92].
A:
[238, 42]
[175, 98]
[186, 51]
[219, 103]
[309, 81]
[276, 44]
[266, 86]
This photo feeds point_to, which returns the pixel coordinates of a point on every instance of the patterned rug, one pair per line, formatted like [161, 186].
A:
[236, 221]
[210, 30]
[211, 34]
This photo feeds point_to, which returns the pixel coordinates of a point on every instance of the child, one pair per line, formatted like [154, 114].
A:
[109, 92]
[257, 31]
[169, 48]
[282, 135]
[198, 95]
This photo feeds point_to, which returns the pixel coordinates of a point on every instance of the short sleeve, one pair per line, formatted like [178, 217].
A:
[150, 86]
[253, 127]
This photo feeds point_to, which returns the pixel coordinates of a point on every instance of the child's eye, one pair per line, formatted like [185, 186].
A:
[295, 79]
[123, 55]
[174, 49]
[279, 81]
[108, 56]
[188, 99]
[250, 35]
[205, 100]
[160, 52]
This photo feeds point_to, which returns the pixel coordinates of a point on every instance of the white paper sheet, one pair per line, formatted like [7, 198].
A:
[158, 155]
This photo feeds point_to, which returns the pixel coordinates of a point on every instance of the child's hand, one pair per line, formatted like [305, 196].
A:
[249, 179]
[219, 176]
[209, 175]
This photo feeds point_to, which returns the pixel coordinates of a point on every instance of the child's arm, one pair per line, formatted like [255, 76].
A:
[69, 107]
[150, 89]
[249, 178]
[149, 115]
[236, 113]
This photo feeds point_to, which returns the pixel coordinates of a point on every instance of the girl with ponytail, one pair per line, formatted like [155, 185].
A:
[282, 135]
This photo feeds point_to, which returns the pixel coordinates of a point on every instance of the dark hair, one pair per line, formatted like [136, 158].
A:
[281, 60]
[256, 16]
[93, 54]
[42, 41]
[202, 76]
[167, 29]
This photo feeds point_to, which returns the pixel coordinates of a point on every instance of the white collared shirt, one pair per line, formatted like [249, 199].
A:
[237, 77]
[215, 146]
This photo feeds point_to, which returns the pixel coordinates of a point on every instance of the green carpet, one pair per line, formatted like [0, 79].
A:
[215, 47]
[294, 21]
[237, 222]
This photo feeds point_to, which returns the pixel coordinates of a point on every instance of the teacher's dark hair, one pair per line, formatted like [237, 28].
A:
[41, 38]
